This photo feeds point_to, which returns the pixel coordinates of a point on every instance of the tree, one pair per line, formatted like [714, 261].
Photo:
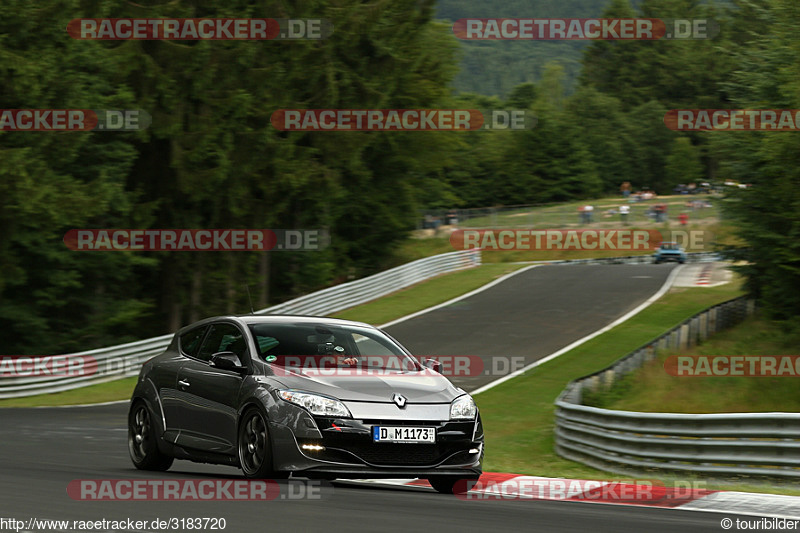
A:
[683, 163]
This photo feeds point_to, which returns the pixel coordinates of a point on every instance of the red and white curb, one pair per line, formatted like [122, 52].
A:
[500, 486]
[704, 277]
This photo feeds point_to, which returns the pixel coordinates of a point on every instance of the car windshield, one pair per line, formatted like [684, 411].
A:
[310, 346]
[669, 246]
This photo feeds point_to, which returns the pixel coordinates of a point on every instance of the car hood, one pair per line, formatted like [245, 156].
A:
[425, 386]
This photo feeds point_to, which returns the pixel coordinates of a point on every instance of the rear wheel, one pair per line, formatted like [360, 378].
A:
[142, 440]
[449, 484]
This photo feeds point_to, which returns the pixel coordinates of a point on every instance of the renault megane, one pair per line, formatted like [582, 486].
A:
[308, 396]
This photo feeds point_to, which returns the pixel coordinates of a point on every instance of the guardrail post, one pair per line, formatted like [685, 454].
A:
[703, 327]
[650, 353]
[683, 337]
[663, 343]
[712, 321]
[594, 383]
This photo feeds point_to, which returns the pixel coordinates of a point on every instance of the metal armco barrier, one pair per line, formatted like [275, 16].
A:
[108, 364]
[756, 444]
[692, 257]
[353, 293]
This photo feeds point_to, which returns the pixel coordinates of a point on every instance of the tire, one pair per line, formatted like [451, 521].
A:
[254, 446]
[449, 484]
[142, 444]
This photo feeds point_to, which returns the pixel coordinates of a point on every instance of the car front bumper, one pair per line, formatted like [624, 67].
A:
[671, 257]
[349, 451]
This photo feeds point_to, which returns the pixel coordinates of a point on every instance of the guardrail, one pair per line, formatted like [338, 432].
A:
[632, 443]
[346, 295]
[115, 362]
[692, 257]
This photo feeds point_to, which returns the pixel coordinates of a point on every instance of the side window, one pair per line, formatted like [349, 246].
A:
[223, 338]
[190, 341]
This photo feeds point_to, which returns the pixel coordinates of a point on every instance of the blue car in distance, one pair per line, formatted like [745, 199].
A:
[669, 251]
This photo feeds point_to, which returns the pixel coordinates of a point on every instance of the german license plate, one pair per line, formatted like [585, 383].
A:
[403, 434]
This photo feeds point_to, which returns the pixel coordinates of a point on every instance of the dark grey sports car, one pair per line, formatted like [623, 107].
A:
[316, 397]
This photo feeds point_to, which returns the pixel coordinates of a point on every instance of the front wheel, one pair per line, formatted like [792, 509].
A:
[142, 444]
[255, 447]
[449, 484]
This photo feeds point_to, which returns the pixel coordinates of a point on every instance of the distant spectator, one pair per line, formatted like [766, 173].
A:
[661, 212]
[625, 188]
[588, 211]
[684, 218]
[623, 213]
[451, 218]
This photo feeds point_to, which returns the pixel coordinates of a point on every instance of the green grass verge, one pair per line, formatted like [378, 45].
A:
[651, 388]
[404, 302]
[120, 389]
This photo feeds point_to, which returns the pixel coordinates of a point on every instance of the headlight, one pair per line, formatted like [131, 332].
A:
[463, 408]
[317, 405]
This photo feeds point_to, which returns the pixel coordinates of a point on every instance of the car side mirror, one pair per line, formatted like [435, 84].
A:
[433, 364]
[227, 361]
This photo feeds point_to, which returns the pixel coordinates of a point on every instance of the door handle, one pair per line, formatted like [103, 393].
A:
[183, 383]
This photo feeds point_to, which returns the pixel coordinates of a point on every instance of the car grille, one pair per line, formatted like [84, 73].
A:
[397, 454]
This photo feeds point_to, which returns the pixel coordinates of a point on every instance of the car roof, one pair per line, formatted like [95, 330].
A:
[278, 319]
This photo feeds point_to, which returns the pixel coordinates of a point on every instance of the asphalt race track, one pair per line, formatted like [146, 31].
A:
[541, 310]
[531, 315]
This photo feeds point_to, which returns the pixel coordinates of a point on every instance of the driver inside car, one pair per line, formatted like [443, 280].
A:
[338, 351]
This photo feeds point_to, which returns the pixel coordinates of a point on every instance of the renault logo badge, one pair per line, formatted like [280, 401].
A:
[399, 399]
